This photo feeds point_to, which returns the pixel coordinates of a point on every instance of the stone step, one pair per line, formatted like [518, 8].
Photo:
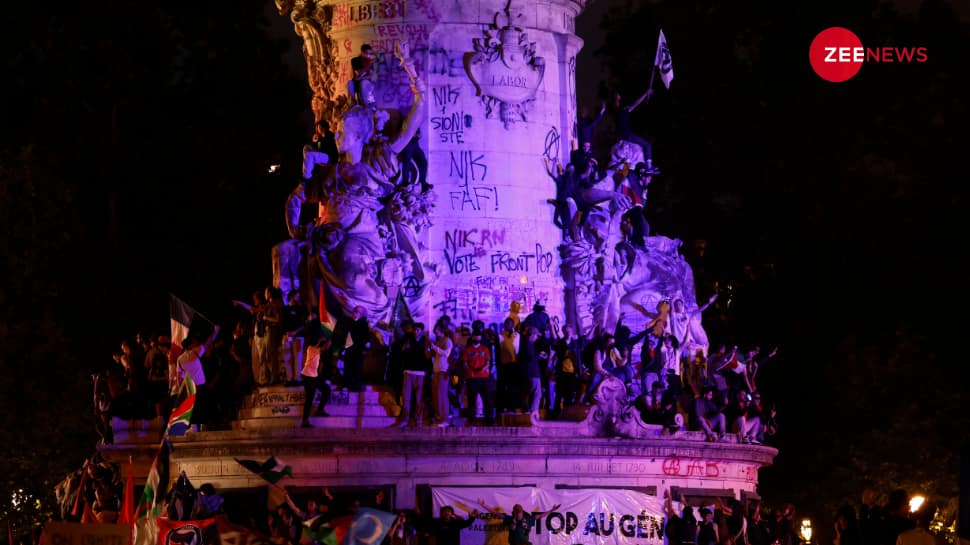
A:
[276, 396]
[279, 401]
[367, 410]
[275, 423]
[514, 419]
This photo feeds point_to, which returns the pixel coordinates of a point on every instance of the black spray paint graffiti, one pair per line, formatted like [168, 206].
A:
[393, 82]
[471, 170]
[446, 95]
[551, 149]
[485, 296]
[499, 261]
[571, 80]
[438, 61]
[463, 248]
[540, 261]
[449, 127]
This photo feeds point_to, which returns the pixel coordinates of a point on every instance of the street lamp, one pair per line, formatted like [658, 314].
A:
[806, 531]
[915, 503]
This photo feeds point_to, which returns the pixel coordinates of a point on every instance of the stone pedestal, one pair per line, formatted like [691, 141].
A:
[359, 446]
[485, 457]
[281, 407]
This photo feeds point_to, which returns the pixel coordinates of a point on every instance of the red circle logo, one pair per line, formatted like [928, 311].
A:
[836, 54]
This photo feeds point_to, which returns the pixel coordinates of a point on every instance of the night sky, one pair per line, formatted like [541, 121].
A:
[135, 147]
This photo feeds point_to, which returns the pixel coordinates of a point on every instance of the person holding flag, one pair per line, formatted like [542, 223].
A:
[624, 131]
[317, 366]
[621, 113]
[189, 364]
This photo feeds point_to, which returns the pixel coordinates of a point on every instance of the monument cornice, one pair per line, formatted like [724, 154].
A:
[460, 442]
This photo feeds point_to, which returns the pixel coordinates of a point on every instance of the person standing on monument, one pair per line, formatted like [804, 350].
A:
[412, 354]
[507, 369]
[156, 362]
[414, 163]
[274, 336]
[357, 330]
[317, 367]
[190, 363]
[624, 131]
[477, 359]
[538, 319]
[323, 141]
[360, 88]
[294, 316]
[440, 348]
[519, 523]
[528, 359]
[586, 126]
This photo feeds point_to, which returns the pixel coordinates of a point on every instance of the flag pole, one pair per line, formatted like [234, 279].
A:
[653, 71]
[653, 75]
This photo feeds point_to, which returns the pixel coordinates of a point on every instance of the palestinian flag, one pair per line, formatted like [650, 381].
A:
[181, 419]
[325, 532]
[155, 485]
[271, 470]
[145, 531]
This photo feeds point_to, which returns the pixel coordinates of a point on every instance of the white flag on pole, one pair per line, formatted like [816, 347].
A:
[663, 63]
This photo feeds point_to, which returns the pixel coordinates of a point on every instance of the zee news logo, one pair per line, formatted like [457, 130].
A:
[837, 54]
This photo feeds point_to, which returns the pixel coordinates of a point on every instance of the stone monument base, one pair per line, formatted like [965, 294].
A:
[280, 407]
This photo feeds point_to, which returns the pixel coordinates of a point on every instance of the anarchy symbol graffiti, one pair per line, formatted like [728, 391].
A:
[411, 287]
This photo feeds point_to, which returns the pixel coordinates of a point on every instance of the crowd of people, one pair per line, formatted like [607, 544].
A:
[450, 375]
[735, 523]
[534, 366]
[94, 494]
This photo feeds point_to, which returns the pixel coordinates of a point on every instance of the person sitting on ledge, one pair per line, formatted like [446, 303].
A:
[709, 416]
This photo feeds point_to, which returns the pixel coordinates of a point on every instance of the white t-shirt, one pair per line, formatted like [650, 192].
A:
[189, 363]
[311, 362]
[442, 348]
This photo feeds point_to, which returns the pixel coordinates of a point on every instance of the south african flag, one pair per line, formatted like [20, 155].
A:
[181, 419]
